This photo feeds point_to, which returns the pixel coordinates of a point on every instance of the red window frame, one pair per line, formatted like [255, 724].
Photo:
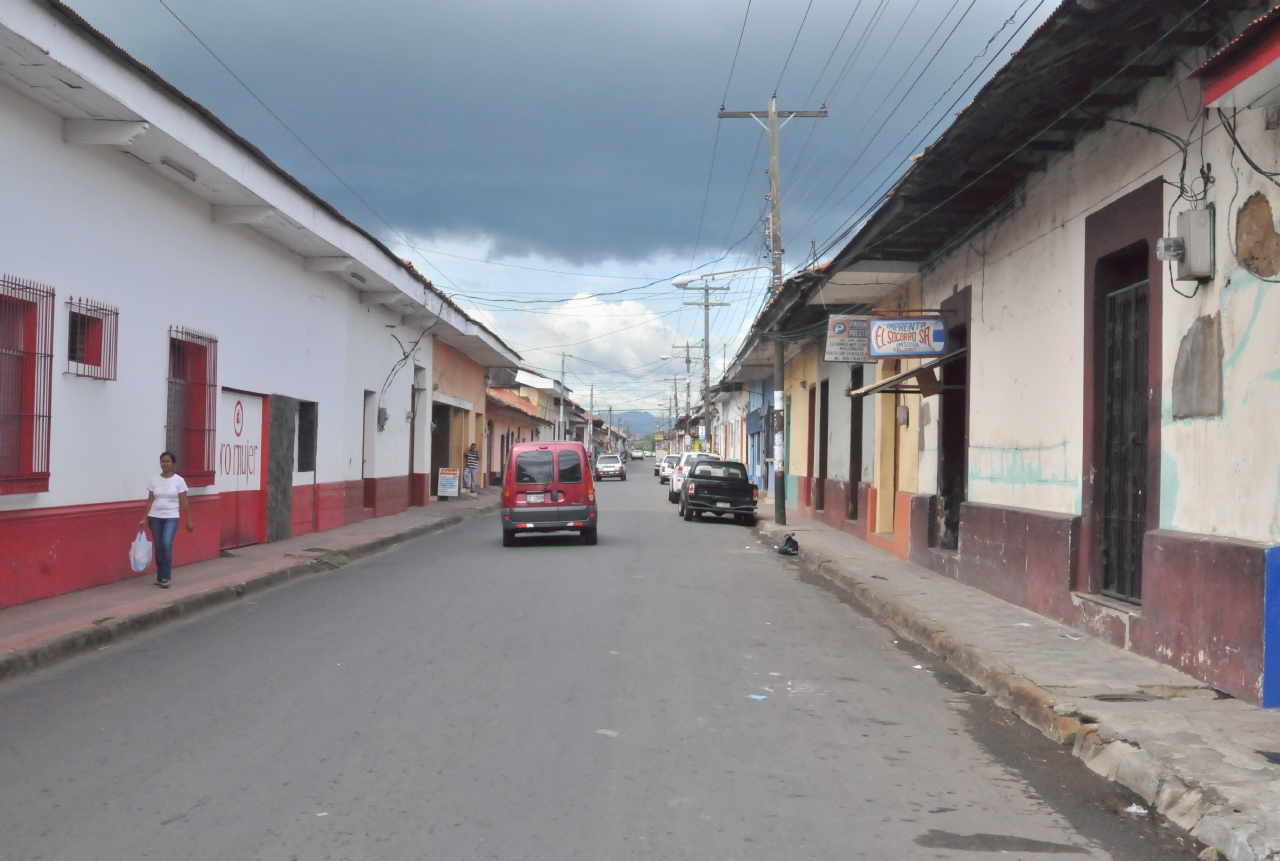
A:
[190, 429]
[26, 382]
[91, 339]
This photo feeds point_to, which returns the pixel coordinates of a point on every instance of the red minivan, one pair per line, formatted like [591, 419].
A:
[548, 488]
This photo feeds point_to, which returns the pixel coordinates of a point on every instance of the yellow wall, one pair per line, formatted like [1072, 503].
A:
[802, 369]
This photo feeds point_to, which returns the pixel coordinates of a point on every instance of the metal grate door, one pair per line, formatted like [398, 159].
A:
[1124, 492]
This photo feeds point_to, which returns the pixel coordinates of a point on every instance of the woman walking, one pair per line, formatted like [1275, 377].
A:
[166, 502]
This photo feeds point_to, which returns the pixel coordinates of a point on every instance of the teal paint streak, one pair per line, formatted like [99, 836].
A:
[1024, 468]
[793, 492]
[1259, 296]
[1168, 489]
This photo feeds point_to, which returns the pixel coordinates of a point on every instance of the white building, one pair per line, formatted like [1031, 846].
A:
[166, 286]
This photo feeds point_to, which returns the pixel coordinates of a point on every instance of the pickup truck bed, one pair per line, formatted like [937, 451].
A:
[719, 487]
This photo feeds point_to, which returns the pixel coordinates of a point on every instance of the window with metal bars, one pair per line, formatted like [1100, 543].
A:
[193, 401]
[26, 377]
[91, 339]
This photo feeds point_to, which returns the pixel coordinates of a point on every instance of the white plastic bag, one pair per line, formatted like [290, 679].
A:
[140, 552]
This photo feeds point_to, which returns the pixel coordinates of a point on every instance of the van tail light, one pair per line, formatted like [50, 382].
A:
[506, 497]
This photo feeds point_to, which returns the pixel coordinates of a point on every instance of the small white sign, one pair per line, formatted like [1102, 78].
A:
[447, 482]
[908, 336]
[846, 338]
[702, 431]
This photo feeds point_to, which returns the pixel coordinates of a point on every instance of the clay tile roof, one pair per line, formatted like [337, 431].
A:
[511, 400]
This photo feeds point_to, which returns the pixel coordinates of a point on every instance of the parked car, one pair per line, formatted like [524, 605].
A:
[610, 466]
[548, 488]
[719, 487]
[664, 467]
[682, 467]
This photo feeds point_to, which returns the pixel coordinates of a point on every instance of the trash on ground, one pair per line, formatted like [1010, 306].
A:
[918, 667]
[789, 545]
[757, 697]
[612, 733]
[1136, 810]
[322, 814]
[1023, 625]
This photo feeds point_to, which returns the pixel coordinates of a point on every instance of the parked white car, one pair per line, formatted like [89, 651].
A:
[664, 467]
[682, 469]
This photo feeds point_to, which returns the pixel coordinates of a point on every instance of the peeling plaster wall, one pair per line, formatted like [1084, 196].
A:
[1220, 474]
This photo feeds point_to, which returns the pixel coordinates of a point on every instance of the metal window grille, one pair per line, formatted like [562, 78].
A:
[91, 339]
[193, 400]
[26, 378]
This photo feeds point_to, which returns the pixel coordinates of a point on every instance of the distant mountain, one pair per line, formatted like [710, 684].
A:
[637, 422]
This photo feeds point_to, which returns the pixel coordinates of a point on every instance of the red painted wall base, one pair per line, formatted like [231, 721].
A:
[51, 551]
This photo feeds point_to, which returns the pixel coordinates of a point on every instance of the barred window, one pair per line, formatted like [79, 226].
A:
[26, 377]
[193, 400]
[91, 339]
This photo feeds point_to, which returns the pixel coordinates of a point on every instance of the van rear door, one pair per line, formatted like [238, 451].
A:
[572, 485]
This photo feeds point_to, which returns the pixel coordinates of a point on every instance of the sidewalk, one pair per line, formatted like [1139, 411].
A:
[1212, 766]
[44, 632]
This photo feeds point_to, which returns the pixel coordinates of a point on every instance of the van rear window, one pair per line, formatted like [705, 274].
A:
[533, 467]
[570, 466]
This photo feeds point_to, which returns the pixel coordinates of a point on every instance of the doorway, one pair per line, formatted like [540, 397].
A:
[856, 407]
[820, 486]
[812, 431]
[953, 423]
[441, 421]
[1125, 329]
[366, 448]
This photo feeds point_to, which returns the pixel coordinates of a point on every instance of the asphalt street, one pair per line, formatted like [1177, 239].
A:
[677, 691]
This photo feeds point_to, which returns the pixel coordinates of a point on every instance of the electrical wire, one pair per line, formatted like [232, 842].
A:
[794, 42]
[935, 207]
[308, 148]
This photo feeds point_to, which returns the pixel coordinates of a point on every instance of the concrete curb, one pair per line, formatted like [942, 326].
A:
[93, 637]
[1200, 810]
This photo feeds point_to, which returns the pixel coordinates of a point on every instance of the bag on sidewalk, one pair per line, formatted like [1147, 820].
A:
[789, 545]
[140, 552]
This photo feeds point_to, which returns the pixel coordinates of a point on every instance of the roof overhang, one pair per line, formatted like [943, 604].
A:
[865, 282]
[106, 98]
[1246, 73]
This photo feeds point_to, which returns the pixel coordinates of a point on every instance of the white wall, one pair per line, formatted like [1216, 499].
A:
[1219, 475]
[92, 222]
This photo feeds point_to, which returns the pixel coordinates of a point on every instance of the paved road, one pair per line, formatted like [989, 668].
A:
[452, 699]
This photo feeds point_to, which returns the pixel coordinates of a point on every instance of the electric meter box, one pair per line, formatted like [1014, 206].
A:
[1195, 229]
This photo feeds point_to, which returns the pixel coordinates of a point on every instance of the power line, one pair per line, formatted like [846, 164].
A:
[299, 139]
[1032, 137]
[793, 49]
[734, 65]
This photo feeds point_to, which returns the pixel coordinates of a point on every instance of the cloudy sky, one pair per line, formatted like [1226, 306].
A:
[552, 164]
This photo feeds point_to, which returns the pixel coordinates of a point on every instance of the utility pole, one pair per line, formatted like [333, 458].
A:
[707, 305]
[591, 421]
[775, 248]
[560, 424]
[675, 409]
[609, 447]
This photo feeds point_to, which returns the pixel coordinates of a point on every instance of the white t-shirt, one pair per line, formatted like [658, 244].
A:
[166, 491]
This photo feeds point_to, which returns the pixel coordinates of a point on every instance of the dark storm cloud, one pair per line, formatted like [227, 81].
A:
[574, 130]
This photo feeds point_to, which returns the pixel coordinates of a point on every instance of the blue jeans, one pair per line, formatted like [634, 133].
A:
[469, 477]
[162, 532]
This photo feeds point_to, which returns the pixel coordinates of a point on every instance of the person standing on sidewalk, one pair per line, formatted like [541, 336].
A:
[470, 467]
[166, 503]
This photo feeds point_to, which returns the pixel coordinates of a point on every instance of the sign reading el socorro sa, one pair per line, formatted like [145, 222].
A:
[907, 337]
